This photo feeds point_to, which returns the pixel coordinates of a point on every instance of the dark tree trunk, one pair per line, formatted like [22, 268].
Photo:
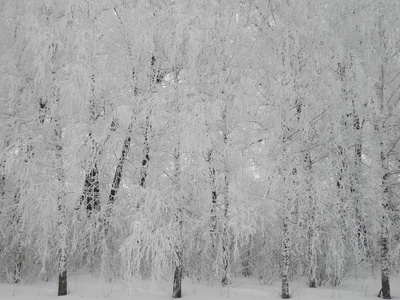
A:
[62, 226]
[2, 184]
[62, 283]
[312, 272]
[311, 226]
[247, 269]
[226, 203]
[285, 258]
[118, 172]
[225, 256]
[145, 162]
[18, 263]
[225, 242]
[17, 219]
[2, 177]
[385, 242]
[341, 189]
[108, 245]
[177, 288]
[355, 187]
[91, 190]
[18, 258]
[356, 195]
[177, 285]
[385, 201]
[42, 110]
[213, 216]
[146, 153]
[385, 260]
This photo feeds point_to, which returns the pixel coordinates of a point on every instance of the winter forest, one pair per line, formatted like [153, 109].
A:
[204, 139]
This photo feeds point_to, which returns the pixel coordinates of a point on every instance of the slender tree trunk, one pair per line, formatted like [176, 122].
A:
[107, 242]
[146, 154]
[312, 257]
[312, 239]
[177, 285]
[225, 255]
[355, 188]
[247, 270]
[18, 221]
[338, 271]
[18, 262]
[2, 178]
[90, 200]
[385, 271]
[18, 256]
[91, 190]
[42, 110]
[385, 201]
[225, 239]
[285, 258]
[118, 172]
[62, 226]
[385, 258]
[311, 226]
[226, 204]
[213, 213]
[145, 160]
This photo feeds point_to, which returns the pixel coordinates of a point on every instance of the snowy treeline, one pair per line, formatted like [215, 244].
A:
[208, 139]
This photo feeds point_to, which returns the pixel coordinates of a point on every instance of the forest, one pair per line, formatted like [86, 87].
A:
[208, 139]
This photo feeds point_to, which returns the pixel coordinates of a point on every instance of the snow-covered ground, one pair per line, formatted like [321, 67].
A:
[89, 287]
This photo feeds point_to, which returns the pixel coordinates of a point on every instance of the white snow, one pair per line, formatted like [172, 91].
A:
[89, 287]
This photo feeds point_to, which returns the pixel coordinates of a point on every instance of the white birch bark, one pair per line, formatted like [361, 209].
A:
[18, 256]
[226, 204]
[61, 208]
[285, 258]
[177, 285]
[385, 189]
[311, 230]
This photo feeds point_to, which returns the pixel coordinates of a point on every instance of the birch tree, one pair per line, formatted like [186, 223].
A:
[386, 106]
[65, 88]
[377, 47]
